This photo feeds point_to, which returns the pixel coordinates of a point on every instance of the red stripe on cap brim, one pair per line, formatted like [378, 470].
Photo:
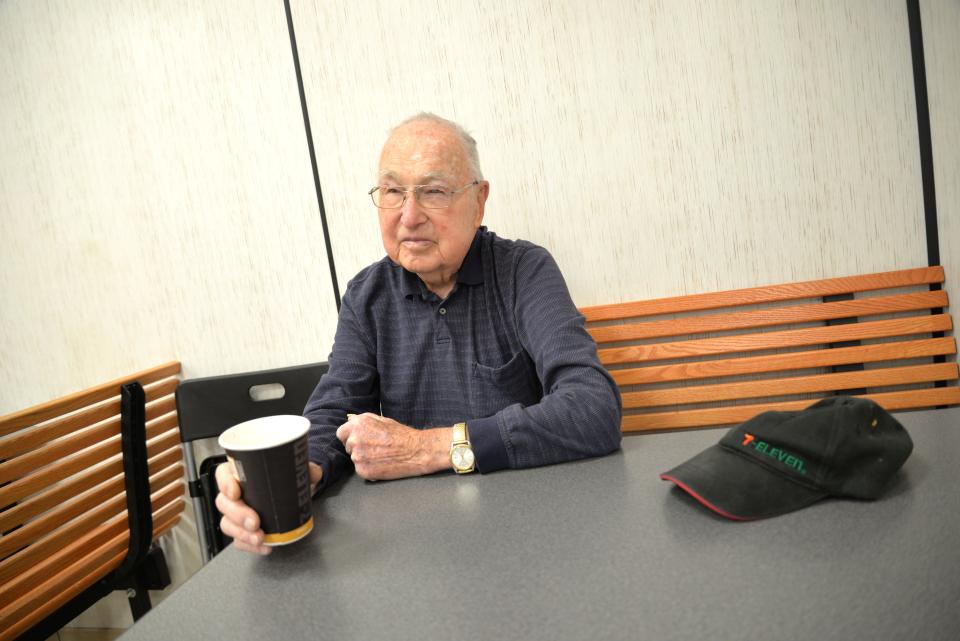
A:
[705, 502]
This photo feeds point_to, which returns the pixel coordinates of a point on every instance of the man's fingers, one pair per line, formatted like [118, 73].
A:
[236, 531]
[227, 481]
[352, 445]
[246, 541]
[367, 472]
[316, 475]
[262, 550]
[344, 431]
[240, 522]
[245, 538]
[240, 515]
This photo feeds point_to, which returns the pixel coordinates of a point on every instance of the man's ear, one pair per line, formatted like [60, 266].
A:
[483, 192]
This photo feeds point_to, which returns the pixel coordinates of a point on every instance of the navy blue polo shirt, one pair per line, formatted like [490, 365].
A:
[506, 352]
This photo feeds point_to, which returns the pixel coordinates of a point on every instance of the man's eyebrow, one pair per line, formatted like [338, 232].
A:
[425, 179]
[435, 175]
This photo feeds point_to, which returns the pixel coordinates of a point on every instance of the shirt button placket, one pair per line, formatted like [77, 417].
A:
[443, 332]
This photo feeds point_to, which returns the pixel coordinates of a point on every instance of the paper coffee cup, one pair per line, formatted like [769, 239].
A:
[271, 458]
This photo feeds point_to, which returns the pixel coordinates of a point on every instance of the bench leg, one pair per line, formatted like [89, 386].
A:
[139, 596]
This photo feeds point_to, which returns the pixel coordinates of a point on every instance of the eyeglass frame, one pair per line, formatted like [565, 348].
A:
[415, 190]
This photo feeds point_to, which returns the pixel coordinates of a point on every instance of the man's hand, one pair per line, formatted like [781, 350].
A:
[384, 449]
[239, 520]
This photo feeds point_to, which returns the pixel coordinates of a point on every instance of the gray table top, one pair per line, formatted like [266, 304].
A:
[598, 549]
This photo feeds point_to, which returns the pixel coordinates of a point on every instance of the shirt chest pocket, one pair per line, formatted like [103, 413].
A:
[494, 388]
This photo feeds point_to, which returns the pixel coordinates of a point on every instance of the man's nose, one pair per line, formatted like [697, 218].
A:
[411, 214]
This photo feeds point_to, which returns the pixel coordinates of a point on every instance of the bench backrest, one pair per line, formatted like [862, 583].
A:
[63, 519]
[723, 357]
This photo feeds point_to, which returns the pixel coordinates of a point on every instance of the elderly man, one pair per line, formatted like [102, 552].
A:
[458, 350]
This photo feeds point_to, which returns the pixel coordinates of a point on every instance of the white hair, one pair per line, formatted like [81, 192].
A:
[466, 140]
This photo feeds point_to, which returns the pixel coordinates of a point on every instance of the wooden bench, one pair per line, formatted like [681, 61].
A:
[87, 484]
[723, 357]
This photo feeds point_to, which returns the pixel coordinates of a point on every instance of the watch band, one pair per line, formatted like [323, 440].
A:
[460, 434]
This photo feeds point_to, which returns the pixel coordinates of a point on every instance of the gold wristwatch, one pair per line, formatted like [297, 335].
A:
[461, 454]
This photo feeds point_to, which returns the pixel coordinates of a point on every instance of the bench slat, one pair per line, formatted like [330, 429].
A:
[766, 294]
[47, 596]
[104, 494]
[28, 485]
[62, 585]
[30, 574]
[891, 401]
[34, 587]
[43, 501]
[166, 441]
[770, 317]
[28, 439]
[168, 514]
[161, 407]
[777, 340]
[58, 449]
[57, 494]
[22, 465]
[795, 385]
[693, 370]
[88, 525]
[69, 465]
[164, 459]
[79, 527]
[45, 411]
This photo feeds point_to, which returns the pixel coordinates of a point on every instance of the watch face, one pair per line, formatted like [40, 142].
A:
[462, 457]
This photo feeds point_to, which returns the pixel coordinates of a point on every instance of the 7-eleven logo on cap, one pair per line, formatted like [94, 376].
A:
[777, 453]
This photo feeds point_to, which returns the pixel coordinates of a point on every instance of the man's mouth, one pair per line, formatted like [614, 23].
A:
[416, 243]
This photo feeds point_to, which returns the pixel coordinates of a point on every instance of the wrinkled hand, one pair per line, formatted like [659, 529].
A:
[239, 520]
[383, 449]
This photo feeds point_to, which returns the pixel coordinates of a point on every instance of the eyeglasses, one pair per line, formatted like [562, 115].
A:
[428, 196]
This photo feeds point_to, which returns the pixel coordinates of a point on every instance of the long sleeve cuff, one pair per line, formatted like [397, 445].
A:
[488, 446]
[324, 464]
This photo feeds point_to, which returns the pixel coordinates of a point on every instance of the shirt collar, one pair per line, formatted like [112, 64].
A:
[470, 272]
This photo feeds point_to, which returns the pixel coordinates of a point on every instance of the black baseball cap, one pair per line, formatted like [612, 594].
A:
[778, 462]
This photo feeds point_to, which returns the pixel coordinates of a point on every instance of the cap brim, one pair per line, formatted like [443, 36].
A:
[735, 487]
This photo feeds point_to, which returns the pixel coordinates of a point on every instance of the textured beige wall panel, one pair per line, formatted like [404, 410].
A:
[156, 203]
[941, 40]
[656, 148]
[156, 200]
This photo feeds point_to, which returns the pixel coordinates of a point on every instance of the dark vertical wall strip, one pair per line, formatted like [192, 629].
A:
[926, 148]
[313, 154]
[923, 129]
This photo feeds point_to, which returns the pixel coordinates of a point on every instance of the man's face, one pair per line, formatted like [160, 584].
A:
[432, 243]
